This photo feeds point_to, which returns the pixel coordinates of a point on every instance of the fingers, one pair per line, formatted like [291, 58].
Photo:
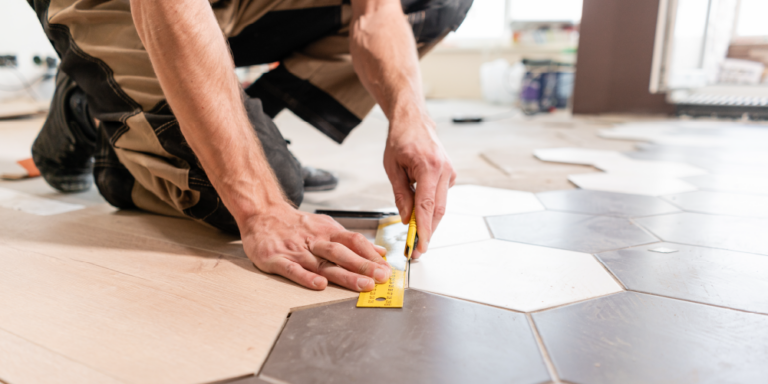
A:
[426, 203]
[381, 250]
[342, 256]
[345, 278]
[358, 244]
[296, 273]
[441, 199]
[401, 187]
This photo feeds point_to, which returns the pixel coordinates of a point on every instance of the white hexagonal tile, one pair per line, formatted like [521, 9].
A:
[649, 167]
[486, 201]
[457, 229]
[638, 184]
[512, 275]
[581, 156]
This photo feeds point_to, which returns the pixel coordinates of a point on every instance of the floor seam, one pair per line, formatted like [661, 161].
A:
[493, 164]
[272, 348]
[59, 354]
[577, 302]
[696, 302]
[616, 278]
[543, 350]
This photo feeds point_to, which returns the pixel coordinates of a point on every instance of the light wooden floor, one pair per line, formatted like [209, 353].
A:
[98, 295]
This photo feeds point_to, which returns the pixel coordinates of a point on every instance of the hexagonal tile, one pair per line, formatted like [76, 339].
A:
[485, 201]
[605, 203]
[649, 167]
[431, 339]
[730, 183]
[457, 229]
[631, 183]
[711, 276]
[581, 156]
[571, 231]
[511, 275]
[744, 234]
[637, 338]
[721, 203]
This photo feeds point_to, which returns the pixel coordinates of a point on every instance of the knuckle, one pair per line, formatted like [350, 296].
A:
[290, 269]
[365, 268]
[427, 204]
[332, 248]
[359, 238]
[323, 264]
[293, 246]
[440, 210]
[433, 162]
[351, 281]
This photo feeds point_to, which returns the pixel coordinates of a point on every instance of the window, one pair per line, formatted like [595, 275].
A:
[491, 19]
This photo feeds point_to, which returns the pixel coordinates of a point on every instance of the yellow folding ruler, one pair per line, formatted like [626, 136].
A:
[391, 234]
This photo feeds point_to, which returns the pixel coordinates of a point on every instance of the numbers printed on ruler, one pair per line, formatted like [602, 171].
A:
[391, 293]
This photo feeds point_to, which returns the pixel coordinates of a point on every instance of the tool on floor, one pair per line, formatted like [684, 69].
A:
[391, 235]
[413, 236]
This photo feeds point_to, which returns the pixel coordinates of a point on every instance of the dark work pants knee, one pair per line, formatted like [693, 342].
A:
[283, 163]
[115, 182]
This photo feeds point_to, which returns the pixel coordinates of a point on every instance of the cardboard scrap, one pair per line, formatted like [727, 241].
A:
[30, 168]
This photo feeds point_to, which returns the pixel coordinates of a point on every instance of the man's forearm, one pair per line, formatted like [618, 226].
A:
[384, 56]
[195, 70]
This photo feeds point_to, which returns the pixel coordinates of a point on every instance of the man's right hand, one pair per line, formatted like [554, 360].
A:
[312, 250]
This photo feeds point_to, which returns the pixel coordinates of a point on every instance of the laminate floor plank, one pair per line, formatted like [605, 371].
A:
[18, 354]
[124, 326]
[209, 275]
[172, 229]
[230, 300]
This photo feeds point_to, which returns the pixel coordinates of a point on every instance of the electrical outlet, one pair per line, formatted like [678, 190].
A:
[8, 61]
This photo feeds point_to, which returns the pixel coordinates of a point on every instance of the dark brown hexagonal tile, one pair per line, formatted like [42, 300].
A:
[706, 275]
[432, 339]
[572, 231]
[744, 234]
[605, 203]
[637, 338]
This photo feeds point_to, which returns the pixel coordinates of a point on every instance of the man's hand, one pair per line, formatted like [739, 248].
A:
[414, 155]
[312, 250]
[385, 58]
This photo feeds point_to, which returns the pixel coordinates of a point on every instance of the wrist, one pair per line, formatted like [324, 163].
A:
[248, 201]
[247, 215]
[411, 124]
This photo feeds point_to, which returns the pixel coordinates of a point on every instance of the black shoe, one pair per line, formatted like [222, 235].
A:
[63, 151]
[318, 179]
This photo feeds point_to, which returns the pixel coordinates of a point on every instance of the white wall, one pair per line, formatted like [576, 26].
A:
[753, 18]
[22, 35]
